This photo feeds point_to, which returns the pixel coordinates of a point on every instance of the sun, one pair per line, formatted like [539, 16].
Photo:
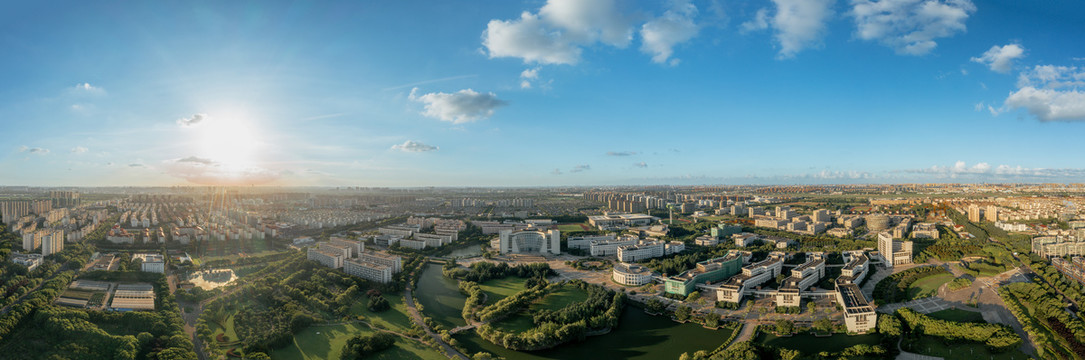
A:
[231, 141]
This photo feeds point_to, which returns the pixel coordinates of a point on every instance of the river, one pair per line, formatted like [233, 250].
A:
[639, 336]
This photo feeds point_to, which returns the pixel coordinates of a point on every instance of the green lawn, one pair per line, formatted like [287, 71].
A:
[929, 345]
[229, 330]
[559, 299]
[395, 318]
[928, 286]
[957, 315]
[326, 342]
[811, 345]
[501, 288]
[556, 300]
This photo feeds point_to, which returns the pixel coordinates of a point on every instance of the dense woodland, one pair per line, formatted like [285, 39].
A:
[600, 312]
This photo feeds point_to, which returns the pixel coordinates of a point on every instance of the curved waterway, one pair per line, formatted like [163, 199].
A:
[639, 336]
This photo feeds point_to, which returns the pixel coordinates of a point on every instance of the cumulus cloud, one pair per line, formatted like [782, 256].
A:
[1000, 58]
[33, 150]
[674, 27]
[798, 24]
[558, 31]
[527, 76]
[580, 168]
[910, 26]
[641, 164]
[621, 153]
[193, 120]
[459, 107]
[79, 150]
[414, 146]
[854, 175]
[1050, 93]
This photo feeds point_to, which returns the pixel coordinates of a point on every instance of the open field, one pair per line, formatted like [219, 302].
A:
[498, 289]
[574, 227]
[326, 342]
[393, 319]
[958, 315]
[928, 286]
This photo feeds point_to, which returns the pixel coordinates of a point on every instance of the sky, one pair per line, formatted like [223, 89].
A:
[541, 93]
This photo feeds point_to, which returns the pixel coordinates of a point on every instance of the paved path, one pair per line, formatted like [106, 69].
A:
[746, 333]
[924, 305]
[417, 317]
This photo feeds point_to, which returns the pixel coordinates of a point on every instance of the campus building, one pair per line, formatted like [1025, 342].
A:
[632, 274]
[859, 315]
[155, 263]
[644, 250]
[530, 241]
[708, 271]
[610, 247]
[802, 277]
[895, 252]
[620, 221]
[369, 271]
[584, 242]
[325, 257]
[1049, 246]
[752, 276]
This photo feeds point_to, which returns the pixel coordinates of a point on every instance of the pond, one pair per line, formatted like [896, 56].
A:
[210, 279]
[640, 336]
[466, 252]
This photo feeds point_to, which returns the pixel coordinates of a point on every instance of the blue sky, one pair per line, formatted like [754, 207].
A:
[558, 92]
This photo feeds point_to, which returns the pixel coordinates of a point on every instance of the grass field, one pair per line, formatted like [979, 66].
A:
[393, 319]
[928, 345]
[810, 344]
[957, 315]
[928, 286]
[501, 288]
[229, 330]
[326, 342]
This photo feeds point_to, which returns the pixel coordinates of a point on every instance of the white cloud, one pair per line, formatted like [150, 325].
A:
[1050, 93]
[196, 160]
[87, 88]
[674, 27]
[556, 34]
[79, 150]
[459, 107]
[206, 171]
[136, 165]
[1049, 104]
[640, 164]
[527, 76]
[1000, 58]
[34, 150]
[985, 171]
[580, 168]
[798, 24]
[621, 153]
[910, 26]
[414, 146]
[191, 121]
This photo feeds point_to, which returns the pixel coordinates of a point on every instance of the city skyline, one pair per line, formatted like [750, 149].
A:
[552, 93]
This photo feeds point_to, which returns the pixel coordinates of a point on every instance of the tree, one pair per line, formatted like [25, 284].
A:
[693, 296]
[784, 327]
[824, 325]
[889, 325]
[789, 354]
[378, 304]
[482, 356]
[257, 356]
[654, 305]
[811, 306]
[682, 313]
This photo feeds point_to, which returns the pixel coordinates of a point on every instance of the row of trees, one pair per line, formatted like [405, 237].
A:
[998, 337]
[484, 270]
[1038, 309]
[514, 303]
[894, 288]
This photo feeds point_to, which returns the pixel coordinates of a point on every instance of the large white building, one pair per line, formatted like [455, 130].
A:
[648, 249]
[369, 271]
[610, 247]
[895, 252]
[584, 242]
[620, 221]
[155, 263]
[859, 315]
[332, 259]
[383, 259]
[530, 241]
[632, 274]
[802, 277]
[752, 276]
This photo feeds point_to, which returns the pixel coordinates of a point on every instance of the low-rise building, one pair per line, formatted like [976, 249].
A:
[584, 242]
[155, 263]
[752, 276]
[706, 272]
[610, 247]
[632, 274]
[369, 271]
[802, 277]
[925, 231]
[620, 221]
[31, 261]
[325, 257]
[530, 241]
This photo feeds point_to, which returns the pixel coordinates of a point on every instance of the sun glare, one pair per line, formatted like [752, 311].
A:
[230, 141]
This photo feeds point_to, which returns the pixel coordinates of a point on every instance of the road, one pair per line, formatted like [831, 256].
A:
[408, 298]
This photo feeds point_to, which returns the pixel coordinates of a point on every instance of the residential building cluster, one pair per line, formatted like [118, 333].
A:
[354, 259]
